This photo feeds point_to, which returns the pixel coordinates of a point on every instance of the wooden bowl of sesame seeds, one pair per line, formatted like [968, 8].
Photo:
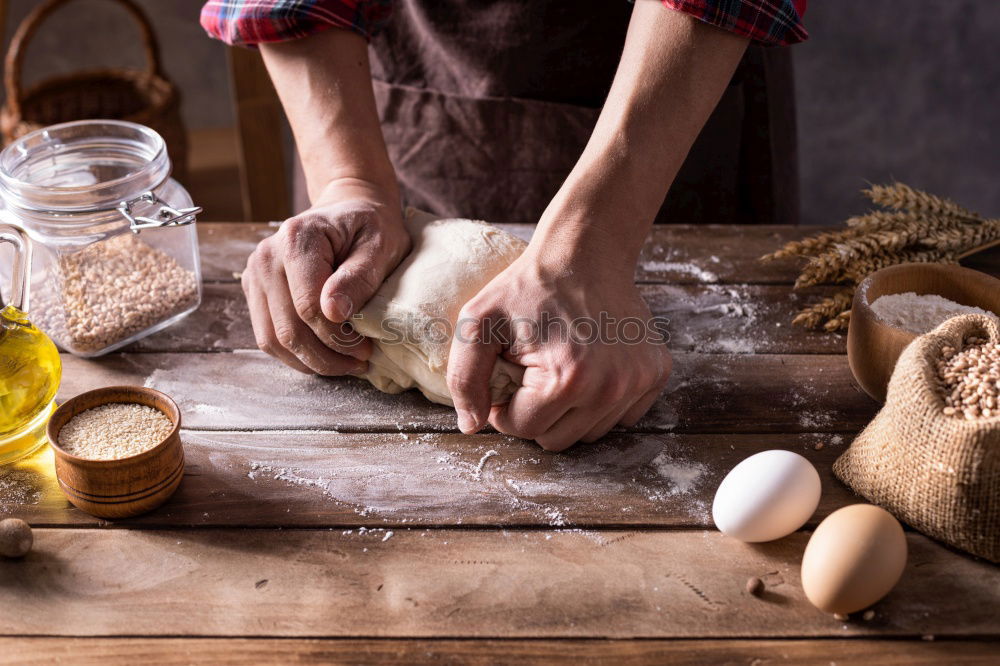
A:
[117, 450]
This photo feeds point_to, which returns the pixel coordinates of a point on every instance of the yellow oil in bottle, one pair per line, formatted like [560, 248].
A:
[30, 371]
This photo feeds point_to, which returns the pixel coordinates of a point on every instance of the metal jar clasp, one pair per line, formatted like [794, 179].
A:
[166, 216]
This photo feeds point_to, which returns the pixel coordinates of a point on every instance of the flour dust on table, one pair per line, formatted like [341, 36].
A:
[425, 477]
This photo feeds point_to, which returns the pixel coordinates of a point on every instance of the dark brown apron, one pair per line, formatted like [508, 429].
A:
[487, 104]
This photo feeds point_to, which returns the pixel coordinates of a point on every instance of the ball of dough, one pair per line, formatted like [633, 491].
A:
[412, 316]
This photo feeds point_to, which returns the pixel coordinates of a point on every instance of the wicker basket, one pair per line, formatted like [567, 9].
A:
[141, 96]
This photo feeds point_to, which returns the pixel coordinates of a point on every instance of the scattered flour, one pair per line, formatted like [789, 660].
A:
[919, 313]
[811, 418]
[555, 516]
[477, 473]
[687, 268]
[714, 319]
[424, 478]
[206, 410]
[683, 476]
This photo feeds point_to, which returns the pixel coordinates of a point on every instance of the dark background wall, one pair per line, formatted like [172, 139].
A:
[906, 90]
[887, 89]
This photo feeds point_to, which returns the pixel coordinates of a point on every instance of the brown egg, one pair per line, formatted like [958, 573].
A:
[855, 556]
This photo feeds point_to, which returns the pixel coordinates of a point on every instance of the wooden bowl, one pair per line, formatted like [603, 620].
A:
[128, 486]
[873, 346]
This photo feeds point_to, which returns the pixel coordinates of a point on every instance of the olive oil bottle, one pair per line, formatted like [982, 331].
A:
[29, 378]
[30, 368]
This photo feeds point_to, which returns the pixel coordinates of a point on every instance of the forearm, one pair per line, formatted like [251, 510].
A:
[672, 73]
[324, 82]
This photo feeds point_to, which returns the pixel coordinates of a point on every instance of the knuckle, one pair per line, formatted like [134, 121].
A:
[299, 234]
[288, 336]
[461, 384]
[266, 345]
[645, 378]
[615, 387]
[294, 226]
[253, 262]
[471, 311]
[261, 259]
[360, 278]
[530, 431]
[307, 307]
[479, 308]
[570, 380]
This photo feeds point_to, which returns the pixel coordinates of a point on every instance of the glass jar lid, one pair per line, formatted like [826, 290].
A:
[82, 166]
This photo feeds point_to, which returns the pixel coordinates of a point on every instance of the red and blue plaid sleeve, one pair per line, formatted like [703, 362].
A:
[777, 22]
[249, 22]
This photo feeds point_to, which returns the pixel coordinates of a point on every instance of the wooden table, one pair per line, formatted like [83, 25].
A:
[321, 520]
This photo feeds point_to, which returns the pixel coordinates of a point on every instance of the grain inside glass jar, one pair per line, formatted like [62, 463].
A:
[110, 291]
[114, 431]
[115, 248]
[969, 379]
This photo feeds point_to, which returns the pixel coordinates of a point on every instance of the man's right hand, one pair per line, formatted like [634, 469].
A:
[303, 283]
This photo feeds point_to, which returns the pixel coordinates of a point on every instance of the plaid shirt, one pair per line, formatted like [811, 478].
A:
[249, 22]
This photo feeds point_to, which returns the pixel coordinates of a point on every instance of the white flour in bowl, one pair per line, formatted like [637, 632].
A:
[919, 313]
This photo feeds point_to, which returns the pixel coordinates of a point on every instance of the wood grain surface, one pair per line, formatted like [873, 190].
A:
[324, 479]
[707, 393]
[673, 253]
[682, 652]
[710, 319]
[320, 520]
[461, 582]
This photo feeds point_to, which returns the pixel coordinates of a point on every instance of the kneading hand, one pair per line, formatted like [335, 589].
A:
[303, 283]
[575, 387]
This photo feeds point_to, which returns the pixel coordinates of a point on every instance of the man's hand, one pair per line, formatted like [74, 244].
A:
[585, 337]
[579, 265]
[324, 264]
[303, 283]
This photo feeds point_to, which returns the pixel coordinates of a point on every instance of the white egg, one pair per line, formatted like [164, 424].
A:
[767, 496]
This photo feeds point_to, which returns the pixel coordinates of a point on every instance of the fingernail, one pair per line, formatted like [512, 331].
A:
[342, 305]
[358, 370]
[466, 421]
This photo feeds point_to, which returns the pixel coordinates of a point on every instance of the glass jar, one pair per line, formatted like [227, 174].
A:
[114, 240]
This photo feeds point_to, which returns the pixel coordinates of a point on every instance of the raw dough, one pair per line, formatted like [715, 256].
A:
[412, 316]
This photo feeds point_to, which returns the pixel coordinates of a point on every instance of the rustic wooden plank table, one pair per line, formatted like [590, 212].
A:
[321, 520]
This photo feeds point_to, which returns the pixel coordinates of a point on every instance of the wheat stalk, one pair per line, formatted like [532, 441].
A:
[900, 196]
[914, 226]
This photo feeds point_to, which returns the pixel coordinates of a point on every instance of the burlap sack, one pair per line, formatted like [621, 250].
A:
[940, 474]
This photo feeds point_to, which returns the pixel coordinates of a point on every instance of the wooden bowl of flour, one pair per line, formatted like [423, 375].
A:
[874, 343]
